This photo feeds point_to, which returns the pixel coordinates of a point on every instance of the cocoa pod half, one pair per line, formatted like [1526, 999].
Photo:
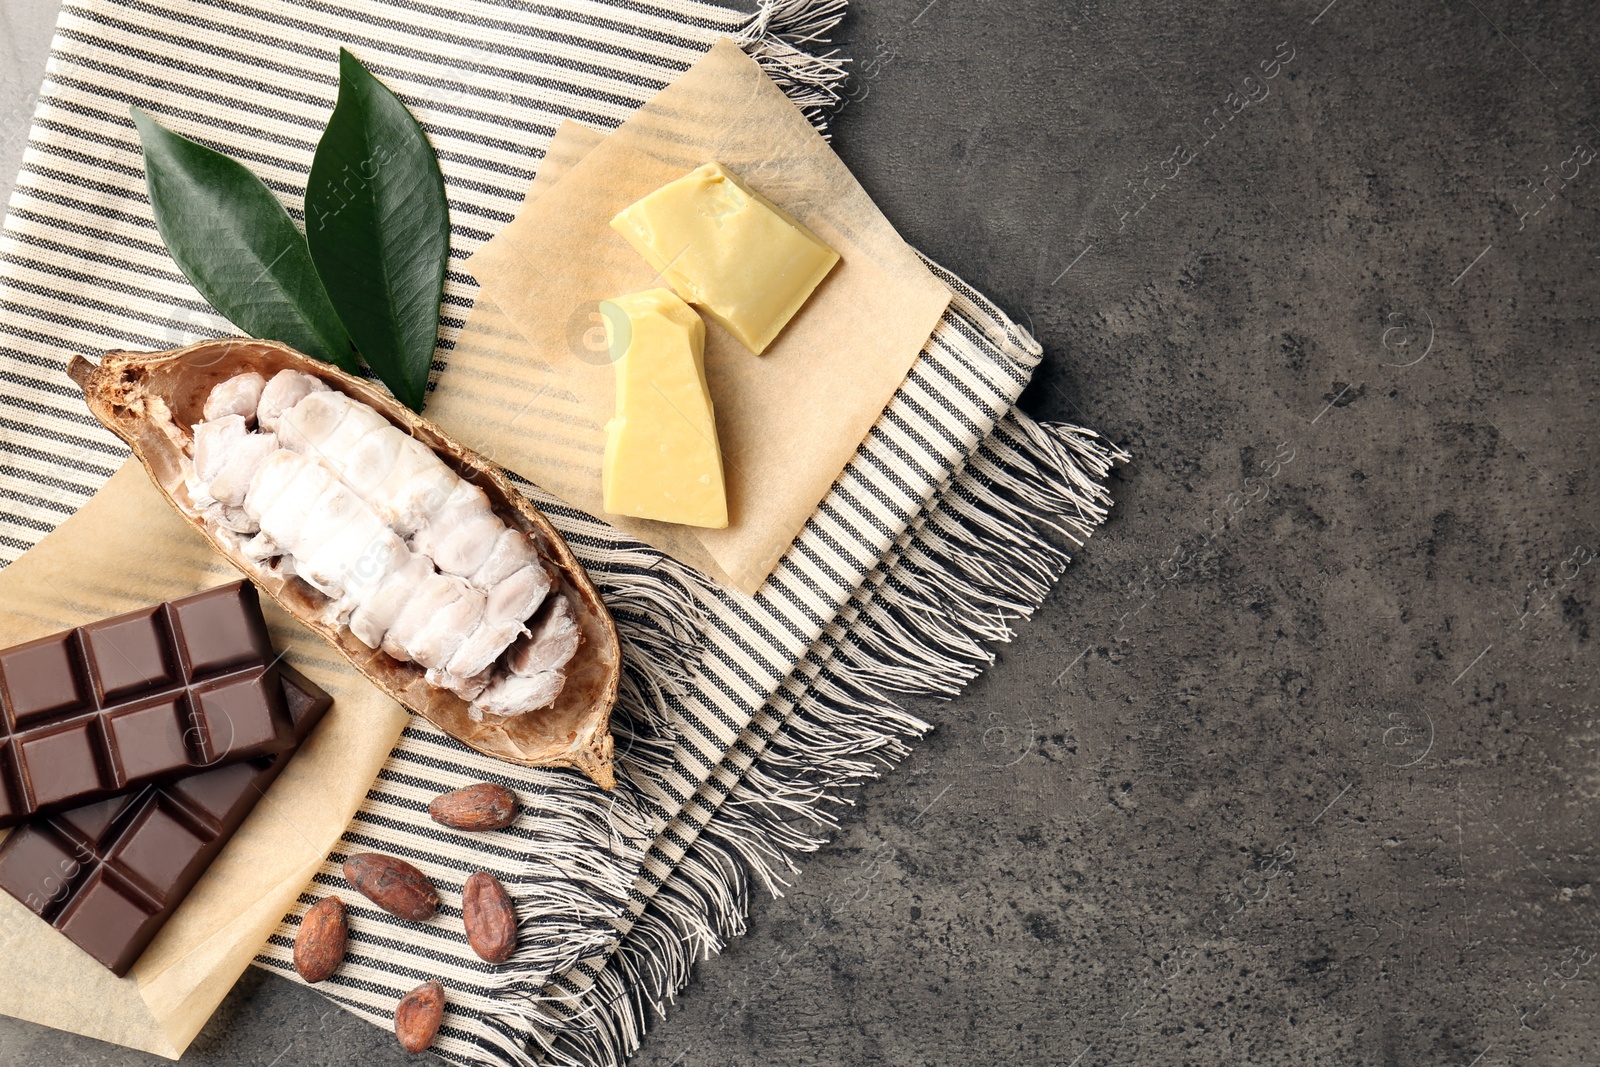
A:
[393, 885]
[418, 1015]
[152, 400]
[320, 943]
[476, 807]
[490, 917]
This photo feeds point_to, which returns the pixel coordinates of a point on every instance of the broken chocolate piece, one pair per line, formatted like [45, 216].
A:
[138, 699]
[108, 875]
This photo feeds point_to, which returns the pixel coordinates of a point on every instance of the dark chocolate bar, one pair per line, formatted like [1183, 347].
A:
[109, 875]
[138, 699]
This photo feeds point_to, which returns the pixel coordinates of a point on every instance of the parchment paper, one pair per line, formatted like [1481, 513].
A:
[789, 420]
[126, 549]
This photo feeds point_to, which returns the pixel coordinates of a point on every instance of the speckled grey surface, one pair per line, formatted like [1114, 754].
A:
[1298, 765]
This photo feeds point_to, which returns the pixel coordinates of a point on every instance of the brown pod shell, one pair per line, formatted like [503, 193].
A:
[152, 401]
[490, 917]
[418, 1015]
[485, 806]
[320, 942]
[393, 885]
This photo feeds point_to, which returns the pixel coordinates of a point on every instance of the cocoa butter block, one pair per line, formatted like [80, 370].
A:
[729, 251]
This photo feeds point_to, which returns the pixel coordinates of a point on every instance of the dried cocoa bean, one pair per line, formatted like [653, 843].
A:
[393, 885]
[490, 917]
[418, 1015]
[319, 945]
[476, 807]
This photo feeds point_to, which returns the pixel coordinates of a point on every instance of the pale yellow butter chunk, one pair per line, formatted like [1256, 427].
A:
[661, 461]
[728, 250]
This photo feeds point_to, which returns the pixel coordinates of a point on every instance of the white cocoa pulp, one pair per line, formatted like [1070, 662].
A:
[411, 556]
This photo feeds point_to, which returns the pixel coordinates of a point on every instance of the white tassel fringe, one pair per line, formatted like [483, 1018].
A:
[979, 560]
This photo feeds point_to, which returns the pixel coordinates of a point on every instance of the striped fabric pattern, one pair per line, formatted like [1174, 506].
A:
[984, 552]
[713, 676]
[765, 653]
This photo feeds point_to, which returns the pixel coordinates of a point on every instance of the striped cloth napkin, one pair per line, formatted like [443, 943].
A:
[740, 715]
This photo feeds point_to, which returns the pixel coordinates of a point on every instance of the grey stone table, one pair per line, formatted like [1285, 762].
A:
[1298, 765]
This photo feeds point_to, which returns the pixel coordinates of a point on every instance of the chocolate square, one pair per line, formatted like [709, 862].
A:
[61, 763]
[214, 794]
[148, 741]
[156, 850]
[99, 918]
[40, 678]
[237, 714]
[220, 629]
[128, 654]
[38, 868]
[93, 820]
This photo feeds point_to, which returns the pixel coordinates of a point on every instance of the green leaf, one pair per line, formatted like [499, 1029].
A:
[379, 229]
[237, 245]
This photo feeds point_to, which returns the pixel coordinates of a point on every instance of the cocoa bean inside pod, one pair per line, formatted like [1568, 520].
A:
[418, 1015]
[485, 806]
[393, 885]
[319, 944]
[155, 400]
[490, 917]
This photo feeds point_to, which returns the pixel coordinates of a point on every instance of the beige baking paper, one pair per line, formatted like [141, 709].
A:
[125, 549]
[573, 141]
[532, 388]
